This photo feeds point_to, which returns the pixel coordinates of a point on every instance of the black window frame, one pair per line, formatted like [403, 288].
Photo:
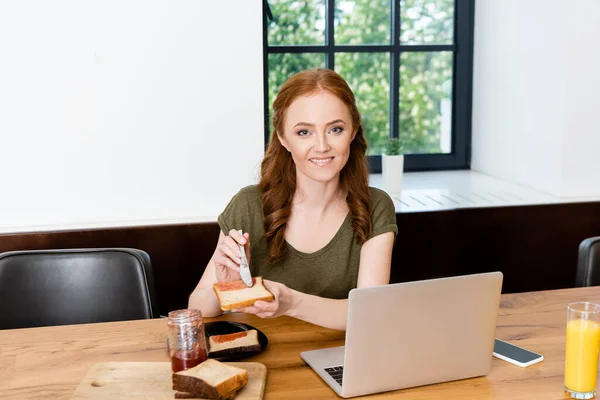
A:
[462, 80]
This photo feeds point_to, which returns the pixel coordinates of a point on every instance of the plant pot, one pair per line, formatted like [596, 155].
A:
[392, 168]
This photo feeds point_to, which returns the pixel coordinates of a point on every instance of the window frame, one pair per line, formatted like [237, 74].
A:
[462, 80]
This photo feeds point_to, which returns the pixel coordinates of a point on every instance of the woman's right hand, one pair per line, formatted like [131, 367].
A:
[227, 257]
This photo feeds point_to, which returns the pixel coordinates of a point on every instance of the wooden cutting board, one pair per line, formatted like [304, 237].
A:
[152, 381]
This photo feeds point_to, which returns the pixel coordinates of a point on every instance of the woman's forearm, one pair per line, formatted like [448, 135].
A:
[330, 313]
[206, 301]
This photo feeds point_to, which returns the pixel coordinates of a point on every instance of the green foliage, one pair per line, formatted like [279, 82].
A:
[368, 76]
[424, 76]
[295, 23]
[394, 147]
[426, 21]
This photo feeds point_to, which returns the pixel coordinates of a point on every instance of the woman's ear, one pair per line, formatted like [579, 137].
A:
[282, 141]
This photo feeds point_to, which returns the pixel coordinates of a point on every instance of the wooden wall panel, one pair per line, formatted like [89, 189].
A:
[534, 246]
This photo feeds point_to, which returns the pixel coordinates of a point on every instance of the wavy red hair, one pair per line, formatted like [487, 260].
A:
[278, 181]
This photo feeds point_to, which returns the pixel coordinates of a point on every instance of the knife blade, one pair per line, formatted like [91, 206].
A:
[244, 267]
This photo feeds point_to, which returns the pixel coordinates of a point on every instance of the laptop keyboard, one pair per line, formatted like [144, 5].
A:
[336, 373]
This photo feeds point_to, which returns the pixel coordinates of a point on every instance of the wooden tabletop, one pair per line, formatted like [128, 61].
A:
[49, 363]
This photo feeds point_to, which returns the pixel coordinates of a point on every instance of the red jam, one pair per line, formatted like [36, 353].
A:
[229, 337]
[182, 360]
[233, 285]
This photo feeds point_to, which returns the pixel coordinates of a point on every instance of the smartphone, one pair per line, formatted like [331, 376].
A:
[515, 354]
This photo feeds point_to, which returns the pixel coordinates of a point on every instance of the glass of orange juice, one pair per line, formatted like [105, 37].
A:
[583, 346]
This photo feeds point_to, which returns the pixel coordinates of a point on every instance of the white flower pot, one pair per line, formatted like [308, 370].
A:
[392, 168]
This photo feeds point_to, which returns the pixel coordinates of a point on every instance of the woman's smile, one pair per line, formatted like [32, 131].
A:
[321, 161]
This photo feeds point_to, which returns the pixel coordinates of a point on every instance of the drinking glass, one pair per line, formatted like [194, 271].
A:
[583, 345]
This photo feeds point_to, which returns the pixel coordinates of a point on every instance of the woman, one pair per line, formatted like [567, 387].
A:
[313, 227]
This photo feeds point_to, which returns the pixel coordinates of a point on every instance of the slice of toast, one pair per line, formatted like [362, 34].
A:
[186, 395]
[236, 294]
[233, 343]
[211, 379]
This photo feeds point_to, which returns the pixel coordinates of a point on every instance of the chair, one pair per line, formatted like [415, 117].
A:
[588, 263]
[75, 286]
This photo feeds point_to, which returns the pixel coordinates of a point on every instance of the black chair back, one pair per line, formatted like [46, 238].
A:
[75, 286]
[588, 263]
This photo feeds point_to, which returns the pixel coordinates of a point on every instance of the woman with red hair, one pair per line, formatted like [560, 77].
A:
[313, 228]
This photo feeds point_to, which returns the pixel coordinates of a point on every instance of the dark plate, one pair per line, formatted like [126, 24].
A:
[226, 327]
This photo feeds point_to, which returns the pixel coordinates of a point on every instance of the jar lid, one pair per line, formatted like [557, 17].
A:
[185, 315]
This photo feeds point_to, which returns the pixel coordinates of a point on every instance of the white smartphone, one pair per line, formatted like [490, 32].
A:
[515, 354]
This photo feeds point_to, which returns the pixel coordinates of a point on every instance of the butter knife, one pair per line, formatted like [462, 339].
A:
[244, 267]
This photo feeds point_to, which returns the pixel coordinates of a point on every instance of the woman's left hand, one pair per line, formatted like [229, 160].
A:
[281, 305]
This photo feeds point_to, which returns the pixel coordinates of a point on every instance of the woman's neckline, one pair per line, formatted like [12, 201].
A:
[316, 253]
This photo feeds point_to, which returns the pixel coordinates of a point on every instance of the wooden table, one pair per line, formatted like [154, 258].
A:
[49, 363]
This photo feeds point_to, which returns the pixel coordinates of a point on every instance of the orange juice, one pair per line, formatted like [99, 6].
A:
[581, 360]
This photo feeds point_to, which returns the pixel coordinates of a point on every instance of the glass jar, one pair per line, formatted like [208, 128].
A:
[187, 343]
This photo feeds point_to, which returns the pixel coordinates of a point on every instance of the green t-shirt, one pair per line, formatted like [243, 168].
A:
[329, 272]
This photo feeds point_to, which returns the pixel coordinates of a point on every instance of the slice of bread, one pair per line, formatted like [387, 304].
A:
[236, 294]
[186, 395]
[233, 343]
[211, 379]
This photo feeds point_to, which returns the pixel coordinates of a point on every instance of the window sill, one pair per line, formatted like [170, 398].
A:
[447, 190]
[421, 192]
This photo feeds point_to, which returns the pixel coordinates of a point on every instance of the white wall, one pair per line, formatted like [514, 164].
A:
[535, 96]
[581, 163]
[127, 111]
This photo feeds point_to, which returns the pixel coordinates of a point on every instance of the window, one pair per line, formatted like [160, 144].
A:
[409, 63]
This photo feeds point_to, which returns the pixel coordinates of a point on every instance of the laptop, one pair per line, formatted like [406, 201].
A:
[412, 334]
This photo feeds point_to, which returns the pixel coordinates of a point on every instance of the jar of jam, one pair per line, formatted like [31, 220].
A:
[187, 343]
